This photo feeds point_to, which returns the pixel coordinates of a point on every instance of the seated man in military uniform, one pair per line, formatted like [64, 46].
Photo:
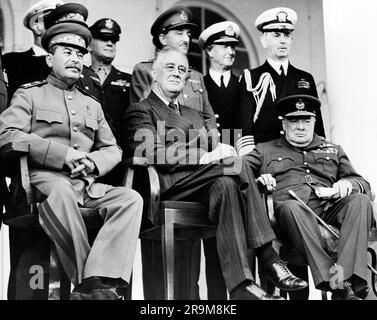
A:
[304, 162]
[70, 145]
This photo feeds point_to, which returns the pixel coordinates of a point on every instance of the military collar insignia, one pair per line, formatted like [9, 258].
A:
[303, 84]
[300, 105]
[183, 16]
[229, 31]
[109, 24]
[282, 16]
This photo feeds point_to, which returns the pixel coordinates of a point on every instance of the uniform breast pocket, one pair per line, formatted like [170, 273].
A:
[329, 162]
[91, 126]
[48, 116]
[278, 163]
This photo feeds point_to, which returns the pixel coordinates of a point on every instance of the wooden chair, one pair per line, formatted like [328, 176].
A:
[22, 218]
[177, 219]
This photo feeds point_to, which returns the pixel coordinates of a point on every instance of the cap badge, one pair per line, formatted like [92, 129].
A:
[303, 84]
[282, 16]
[109, 24]
[300, 105]
[229, 31]
[183, 16]
[71, 16]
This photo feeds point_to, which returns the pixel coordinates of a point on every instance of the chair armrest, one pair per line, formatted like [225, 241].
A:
[10, 151]
[150, 192]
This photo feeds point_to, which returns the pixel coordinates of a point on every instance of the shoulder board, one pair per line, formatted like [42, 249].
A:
[87, 93]
[33, 84]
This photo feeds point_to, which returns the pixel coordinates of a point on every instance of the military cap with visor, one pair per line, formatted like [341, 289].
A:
[178, 17]
[225, 32]
[298, 106]
[72, 12]
[67, 34]
[39, 11]
[106, 29]
[276, 19]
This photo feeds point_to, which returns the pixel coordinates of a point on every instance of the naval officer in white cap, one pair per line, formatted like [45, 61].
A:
[263, 86]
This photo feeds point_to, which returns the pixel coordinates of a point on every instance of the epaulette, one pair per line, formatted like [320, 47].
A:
[87, 93]
[33, 84]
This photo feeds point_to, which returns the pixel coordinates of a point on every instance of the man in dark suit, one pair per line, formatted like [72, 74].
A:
[308, 165]
[219, 40]
[115, 84]
[263, 86]
[173, 137]
[29, 66]
[173, 28]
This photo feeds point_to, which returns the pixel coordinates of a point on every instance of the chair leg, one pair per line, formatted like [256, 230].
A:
[167, 234]
[373, 255]
[54, 275]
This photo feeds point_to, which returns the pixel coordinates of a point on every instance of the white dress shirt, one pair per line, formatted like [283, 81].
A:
[216, 76]
[276, 65]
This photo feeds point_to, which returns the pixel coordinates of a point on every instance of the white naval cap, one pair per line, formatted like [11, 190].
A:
[219, 33]
[276, 19]
[39, 9]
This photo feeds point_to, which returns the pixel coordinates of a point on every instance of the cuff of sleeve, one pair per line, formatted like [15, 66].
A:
[55, 156]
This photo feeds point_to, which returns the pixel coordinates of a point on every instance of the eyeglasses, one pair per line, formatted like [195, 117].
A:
[171, 67]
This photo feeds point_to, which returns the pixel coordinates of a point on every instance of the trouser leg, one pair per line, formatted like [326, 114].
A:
[113, 251]
[300, 230]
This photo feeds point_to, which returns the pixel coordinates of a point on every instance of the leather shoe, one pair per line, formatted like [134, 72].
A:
[249, 290]
[344, 294]
[94, 288]
[281, 277]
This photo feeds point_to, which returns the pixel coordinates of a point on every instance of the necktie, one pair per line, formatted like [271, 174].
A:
[282, 74]
[101, 72]
[173, 106]
[222, 82]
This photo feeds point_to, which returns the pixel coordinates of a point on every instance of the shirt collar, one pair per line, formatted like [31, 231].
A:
[38, 51]
[166, 101]
[215, 75]
[276, 65]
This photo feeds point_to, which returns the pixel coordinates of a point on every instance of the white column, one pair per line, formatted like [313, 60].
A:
[351, 58]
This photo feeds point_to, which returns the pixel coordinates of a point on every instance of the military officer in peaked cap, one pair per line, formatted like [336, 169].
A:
[263, 86]
[219, 41]
[115, 84]
[70, 146]
[304, 162]
[28, 66]
[173, 28]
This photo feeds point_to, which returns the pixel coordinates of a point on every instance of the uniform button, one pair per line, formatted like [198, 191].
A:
[307, 171]
[305, 163]
[73, 112]
[76, 146]
[218, 124]
[81, 76]
[280, 158]
[75, 129]
[327, 158]
[86, 88]
[304, 152]
[200, 90]
[69, 97]
[216, 115]
[281, 132]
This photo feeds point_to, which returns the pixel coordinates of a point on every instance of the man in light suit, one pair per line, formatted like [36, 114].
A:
[173, 137]
[71, 145]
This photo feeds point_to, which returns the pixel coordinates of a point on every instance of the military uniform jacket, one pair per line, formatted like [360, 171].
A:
[224, 103]
[194, 94]
[322, 163]
[267, 125]
[153, 119]
[51, 118]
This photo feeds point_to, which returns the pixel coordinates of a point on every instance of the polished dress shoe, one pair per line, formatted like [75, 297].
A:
[362, 293]
[344, 294]
[249, 290]
[95, 288]
[281, 277]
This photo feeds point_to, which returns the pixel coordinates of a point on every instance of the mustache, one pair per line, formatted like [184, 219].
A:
[76, 65]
